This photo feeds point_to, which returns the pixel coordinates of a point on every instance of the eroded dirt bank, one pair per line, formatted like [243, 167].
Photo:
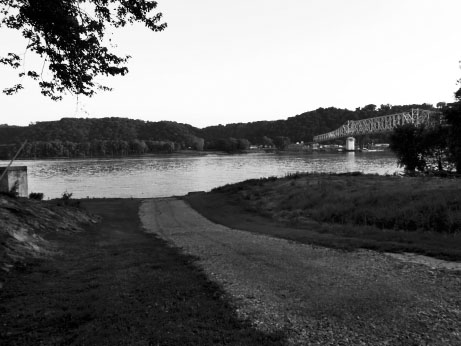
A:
[318, 296]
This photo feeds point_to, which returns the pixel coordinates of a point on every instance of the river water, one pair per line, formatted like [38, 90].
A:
[177, 174]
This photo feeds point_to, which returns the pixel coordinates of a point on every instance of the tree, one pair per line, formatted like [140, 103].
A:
[69, 35]
[420, 148]
[281, 142]
[267, 142]
[452, 114]
[385, 108]
[243, 144]
[435, 147]
[406, 143]
[369, 108]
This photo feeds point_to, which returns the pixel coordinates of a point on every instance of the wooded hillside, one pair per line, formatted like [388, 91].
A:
[302, 127]
[79, 137]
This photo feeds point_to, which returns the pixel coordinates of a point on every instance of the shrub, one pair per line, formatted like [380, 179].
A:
[36, 195]
[66, 196]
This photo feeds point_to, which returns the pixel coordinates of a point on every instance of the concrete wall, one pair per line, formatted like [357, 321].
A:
[15, 174]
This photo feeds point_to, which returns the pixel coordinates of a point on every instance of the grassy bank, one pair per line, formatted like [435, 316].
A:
[384, 213]
[113, 284]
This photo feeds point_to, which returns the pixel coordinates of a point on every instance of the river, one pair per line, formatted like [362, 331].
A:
[178, 174]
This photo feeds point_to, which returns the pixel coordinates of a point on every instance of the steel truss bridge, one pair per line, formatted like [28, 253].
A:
[385, 123]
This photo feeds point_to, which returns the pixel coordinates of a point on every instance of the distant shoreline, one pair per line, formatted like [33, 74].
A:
[181, 152]
[195, 153]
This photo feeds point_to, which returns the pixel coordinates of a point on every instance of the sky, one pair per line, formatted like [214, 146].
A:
[221, 62]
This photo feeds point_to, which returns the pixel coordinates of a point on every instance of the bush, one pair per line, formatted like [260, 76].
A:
[66, 196]
[36, 195]
[66, 200]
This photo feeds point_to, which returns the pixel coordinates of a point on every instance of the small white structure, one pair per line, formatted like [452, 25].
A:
[350, 144]
[14, 178]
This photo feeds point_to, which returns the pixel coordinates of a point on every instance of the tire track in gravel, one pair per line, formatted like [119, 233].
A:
[316, 295]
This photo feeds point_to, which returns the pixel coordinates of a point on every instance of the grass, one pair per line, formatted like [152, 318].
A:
[117, 285]
[384, 213]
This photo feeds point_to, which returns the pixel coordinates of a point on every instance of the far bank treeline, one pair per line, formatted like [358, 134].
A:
[79, 137]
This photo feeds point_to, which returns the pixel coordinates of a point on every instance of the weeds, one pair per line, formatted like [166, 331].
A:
[66, 200]
[66, 195]
[417, 204]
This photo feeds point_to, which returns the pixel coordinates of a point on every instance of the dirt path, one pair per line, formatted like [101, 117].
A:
[114, 284]
[318, 296]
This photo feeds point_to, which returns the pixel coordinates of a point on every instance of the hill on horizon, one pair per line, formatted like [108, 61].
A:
[301, 127]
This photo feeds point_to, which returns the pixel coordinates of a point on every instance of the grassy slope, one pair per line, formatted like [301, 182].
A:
[114, 284]
[24, 224]
[421, 215]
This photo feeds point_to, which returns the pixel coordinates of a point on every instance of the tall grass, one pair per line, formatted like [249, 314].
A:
[408, 204]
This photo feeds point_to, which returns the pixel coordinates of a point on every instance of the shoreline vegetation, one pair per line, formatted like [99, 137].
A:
[345, 211]
[183, 152]
[191, 152]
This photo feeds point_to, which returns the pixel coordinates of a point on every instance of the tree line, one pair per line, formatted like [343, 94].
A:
[95, 148]
[81, 137]
[71, 137]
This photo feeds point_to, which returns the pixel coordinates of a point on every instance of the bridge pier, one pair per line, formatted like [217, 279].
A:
[350, 144]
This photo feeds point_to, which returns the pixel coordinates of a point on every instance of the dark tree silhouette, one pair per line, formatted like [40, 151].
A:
[406, 142]
[452, 114]
[69, 35]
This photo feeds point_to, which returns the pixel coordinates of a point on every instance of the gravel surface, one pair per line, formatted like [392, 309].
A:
[315, 295]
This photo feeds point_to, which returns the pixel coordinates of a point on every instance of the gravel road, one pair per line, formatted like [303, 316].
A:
[317, 296]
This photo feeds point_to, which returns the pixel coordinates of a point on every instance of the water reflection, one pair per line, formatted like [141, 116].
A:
[350, 161]
[177, 175]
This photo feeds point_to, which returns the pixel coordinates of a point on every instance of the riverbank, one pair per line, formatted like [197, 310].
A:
[345, 211]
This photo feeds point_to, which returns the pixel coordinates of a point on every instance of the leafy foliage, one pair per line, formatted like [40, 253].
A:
[281, 142]
[420, 148]
[69, 35]
[36, 195]
[229, 145]
[406, 143]
[452, 115]
[66, 195]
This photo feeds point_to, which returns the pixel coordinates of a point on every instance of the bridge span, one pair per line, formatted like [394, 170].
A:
[385, 123]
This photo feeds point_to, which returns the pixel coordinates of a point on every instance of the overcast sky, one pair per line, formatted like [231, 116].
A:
[222, 62]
